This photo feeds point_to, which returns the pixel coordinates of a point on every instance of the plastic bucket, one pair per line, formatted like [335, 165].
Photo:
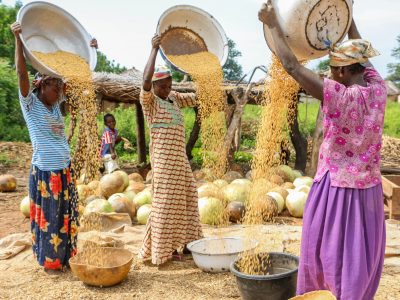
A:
[48, 28]
[201, 26]
[280, 284]
[312, 26]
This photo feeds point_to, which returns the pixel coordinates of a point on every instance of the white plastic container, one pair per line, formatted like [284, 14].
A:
[215, 255]
[47, 28]
[199, 21]
[311, 26]
[110, 165]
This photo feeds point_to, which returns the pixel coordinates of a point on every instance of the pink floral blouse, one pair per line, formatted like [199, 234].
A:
[353, 125]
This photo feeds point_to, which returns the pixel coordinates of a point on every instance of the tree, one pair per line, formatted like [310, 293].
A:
[105, 65]
[232, 69]
[394, 68]
[12, 124]
[8, 16]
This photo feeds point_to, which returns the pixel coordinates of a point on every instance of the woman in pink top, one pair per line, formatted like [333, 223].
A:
[343, 242]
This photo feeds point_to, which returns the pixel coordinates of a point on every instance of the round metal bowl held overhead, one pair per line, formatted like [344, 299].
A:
[215, 255]
[311, 27]
[48, 28]
[115, 266]
[187, 29]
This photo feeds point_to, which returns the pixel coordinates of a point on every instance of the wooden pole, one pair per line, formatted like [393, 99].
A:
[299, 142]
[237, 115]
[140, 134]
[194, 135]
[317, 141]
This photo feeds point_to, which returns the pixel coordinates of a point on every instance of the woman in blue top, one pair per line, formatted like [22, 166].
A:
[53, 198]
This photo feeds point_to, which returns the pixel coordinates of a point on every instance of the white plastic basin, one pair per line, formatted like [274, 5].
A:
[215, 255]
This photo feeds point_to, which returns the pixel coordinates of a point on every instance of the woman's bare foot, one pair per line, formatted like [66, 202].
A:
[186, 251]
[52, 272]
[176, 256]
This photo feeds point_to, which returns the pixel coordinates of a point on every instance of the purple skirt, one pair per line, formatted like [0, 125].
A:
[343, 241]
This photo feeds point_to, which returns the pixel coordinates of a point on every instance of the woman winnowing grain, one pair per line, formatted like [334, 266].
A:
[52, 193]
[343, 239]
[174, 218]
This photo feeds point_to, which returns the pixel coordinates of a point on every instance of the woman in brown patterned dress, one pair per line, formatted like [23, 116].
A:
[174, 218]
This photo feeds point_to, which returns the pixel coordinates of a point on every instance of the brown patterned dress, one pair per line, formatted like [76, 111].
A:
[174, 218]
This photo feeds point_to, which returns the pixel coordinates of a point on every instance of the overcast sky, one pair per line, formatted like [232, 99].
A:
[124, 27]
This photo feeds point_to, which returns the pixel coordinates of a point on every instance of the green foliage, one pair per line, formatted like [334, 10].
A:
[7, 42]
[394, 68]
[197, 157]
[177, 76]
[248, 142]
[243, 157]
[307, 116]
[323, 66]
[109, 66]
[392, 120]
[12, 124]
[5, 160]
[232, 69]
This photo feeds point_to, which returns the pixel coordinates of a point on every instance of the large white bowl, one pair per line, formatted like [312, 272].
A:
[312, 26]
[215, 255]
[199, 21]
[47, 28]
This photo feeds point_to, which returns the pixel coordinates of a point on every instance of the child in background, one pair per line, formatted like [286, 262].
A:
[108, 141]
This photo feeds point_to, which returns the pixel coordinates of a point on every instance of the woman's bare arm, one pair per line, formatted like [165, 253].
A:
[309, 80]
[149, 69]
[20, 63]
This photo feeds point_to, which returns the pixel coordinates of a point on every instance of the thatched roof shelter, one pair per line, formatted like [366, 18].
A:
[125, 87]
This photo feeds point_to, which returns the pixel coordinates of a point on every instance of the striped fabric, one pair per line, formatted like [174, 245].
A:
[174, 218]
[46, 130]
[107, 139]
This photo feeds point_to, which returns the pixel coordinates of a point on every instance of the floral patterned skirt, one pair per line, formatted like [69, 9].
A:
[54, 216]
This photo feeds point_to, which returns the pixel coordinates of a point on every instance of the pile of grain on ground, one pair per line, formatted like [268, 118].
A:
[206, 72]
[82, 101]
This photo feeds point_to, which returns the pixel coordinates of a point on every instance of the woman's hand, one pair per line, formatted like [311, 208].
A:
[149, 69]
[156, 41]
[22, 72]
[16, 29]
[93, 43]
[267, 14]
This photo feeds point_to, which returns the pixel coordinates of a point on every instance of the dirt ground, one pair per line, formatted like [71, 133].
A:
[21, 278]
